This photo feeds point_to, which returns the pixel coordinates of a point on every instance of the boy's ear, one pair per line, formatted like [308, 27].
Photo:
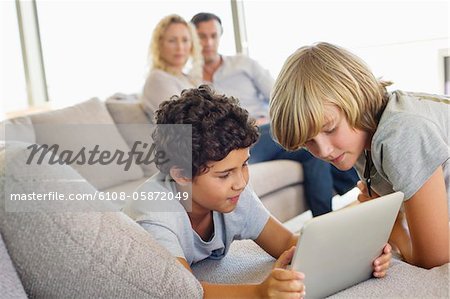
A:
[177, 174]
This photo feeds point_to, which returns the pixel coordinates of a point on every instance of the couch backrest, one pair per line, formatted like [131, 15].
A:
[133, 123]
[116, 114]
[80, 255]
[88, 125]
[127, 109]
[9, 281]
[18, 129]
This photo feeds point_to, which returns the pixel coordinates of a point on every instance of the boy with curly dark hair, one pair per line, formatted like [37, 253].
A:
[224, 208]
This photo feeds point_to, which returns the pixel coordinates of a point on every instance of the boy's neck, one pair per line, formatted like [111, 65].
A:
[202, 224]
[201, 219]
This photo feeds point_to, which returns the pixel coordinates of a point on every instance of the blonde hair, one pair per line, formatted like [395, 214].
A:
[320, 75]
[154, 53]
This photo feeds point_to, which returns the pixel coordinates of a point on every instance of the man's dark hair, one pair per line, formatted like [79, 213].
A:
[205, 17]
[219, 126]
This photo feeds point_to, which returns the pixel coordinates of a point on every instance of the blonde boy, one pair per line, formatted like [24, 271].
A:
[327, 100]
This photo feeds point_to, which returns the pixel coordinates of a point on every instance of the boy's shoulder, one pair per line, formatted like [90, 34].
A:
[157, 194]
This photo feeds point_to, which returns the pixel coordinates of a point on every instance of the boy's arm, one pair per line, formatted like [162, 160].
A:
[426, 211]
[427, 242]
[280, 283]
[275, 238]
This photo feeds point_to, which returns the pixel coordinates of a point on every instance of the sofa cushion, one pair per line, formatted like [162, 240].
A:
[286, 203]
[133, 123]
[278, 177]
[17, 129]
[127, 188]
[42, 177]
[87, 255]
[86, 125]
[403, 281]
[127, 109]
[9, 281]
[246, 262]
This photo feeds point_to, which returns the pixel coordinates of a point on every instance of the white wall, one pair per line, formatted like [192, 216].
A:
[400, 40]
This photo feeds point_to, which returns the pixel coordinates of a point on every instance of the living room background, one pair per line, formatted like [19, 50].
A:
[97, 48]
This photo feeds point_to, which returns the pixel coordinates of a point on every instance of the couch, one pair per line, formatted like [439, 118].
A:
[117, 123]
[278, 183]
[59, 254]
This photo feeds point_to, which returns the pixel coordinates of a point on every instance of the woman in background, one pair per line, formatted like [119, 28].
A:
[174, 43]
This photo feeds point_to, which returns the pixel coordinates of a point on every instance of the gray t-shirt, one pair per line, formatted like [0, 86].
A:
[173, 229]
[411, 141]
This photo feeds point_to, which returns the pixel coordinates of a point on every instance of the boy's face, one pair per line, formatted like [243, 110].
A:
[219, 188]
[337, 142]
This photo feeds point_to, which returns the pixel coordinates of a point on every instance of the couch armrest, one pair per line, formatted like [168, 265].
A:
[9, 280]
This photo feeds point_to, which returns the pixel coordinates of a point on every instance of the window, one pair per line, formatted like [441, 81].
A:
[98, 48]
[447, 75]
[13, 93]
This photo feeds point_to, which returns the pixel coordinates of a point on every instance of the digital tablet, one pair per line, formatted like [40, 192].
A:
[336, 250]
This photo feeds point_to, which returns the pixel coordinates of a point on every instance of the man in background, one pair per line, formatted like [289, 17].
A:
[245, 79]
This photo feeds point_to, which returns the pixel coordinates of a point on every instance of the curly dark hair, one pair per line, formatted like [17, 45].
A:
[219, 126]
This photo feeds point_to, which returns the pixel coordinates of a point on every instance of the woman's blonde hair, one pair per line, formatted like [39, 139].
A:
[320, 75]
[154, 53]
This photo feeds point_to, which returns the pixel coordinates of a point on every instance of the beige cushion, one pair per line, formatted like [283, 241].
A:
[267, 177]
[86, 125]
[133, 123]
[86, 255]
[286, 203]
[128, 188]
[17, 129]
[9, 281]
[125, 110]
[246, 262]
